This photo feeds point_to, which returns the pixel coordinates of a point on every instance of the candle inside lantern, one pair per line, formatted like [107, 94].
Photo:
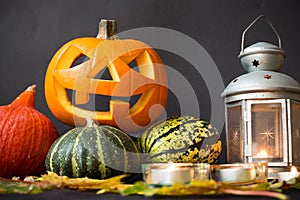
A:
[262, 154]
[168, 174]
[285, 176]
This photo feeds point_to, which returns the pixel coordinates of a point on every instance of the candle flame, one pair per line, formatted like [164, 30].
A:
[294, 169]
[262, 154]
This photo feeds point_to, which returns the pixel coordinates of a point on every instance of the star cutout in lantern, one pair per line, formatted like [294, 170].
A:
[296, 133]
[267, 76]
[267, 134]
[235, 135]
[255, 63]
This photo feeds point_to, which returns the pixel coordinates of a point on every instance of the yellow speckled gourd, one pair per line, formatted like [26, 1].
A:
[183, 139]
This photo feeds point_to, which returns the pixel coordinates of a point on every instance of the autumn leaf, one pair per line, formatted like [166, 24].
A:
[80, 183]
[8, 186]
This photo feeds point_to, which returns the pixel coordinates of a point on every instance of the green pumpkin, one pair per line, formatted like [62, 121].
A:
[182, 139]
[93, 151]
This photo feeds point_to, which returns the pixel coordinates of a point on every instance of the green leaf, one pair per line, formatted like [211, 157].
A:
[138, 187]
[12, 187]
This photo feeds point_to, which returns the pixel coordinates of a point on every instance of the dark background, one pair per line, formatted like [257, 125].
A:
[33, 30]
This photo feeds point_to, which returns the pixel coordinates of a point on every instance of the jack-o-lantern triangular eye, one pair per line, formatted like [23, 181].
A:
[104, 74]
[79, 60]
[132, 69]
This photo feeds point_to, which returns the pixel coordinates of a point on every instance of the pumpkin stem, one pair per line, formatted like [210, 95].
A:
[26, 98]
[108, 30]
[90, 123]
[31, 88]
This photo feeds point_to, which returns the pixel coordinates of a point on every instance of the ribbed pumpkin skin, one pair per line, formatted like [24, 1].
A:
[25, 138]
[95, 152]
[182, 139]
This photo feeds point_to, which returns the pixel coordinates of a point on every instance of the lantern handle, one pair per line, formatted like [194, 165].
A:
[258, 18]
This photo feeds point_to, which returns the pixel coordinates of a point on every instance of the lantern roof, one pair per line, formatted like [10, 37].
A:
[261, 47]
[262, 85]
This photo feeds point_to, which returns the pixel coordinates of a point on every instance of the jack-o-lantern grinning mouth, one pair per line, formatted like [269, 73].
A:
[101, 102]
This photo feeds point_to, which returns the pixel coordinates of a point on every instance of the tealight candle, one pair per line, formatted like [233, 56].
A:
[237, 174]
[171, 175]
[285, 176]
[168, 173]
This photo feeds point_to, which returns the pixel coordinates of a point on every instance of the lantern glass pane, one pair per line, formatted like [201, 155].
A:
[295, 128]
[234, 134]
[267, 131]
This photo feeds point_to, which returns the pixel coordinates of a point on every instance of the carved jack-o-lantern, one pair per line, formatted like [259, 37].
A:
[149, 81]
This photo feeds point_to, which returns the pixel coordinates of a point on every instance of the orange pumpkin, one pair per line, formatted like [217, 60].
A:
[25, 137]
[150, 82]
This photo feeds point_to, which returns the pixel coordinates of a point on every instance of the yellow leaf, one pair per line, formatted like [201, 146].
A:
[80, 183]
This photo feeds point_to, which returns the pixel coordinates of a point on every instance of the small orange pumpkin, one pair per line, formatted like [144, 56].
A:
[150, 82]
[25, 137]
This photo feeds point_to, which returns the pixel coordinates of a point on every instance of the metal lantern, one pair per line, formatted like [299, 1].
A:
[263, 109]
